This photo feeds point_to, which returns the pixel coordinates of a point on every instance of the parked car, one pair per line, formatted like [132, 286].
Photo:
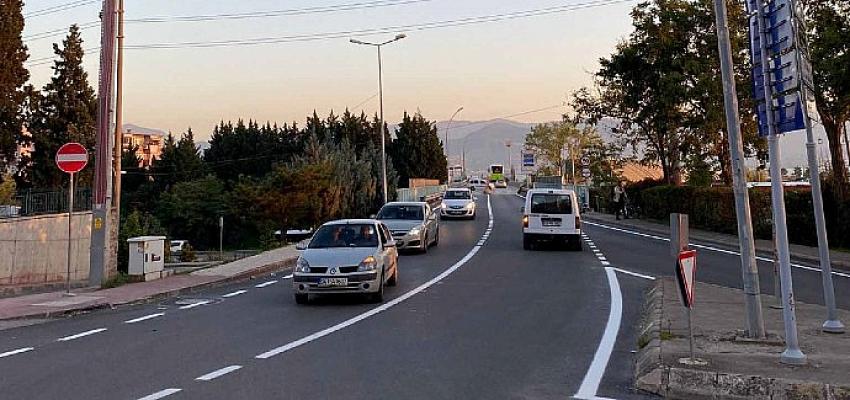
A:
[458, 203]
[346, 256]
[177, 246]
[551, 215]
[414, 225]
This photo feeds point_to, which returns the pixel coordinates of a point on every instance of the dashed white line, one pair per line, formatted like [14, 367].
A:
[82, 334]
[160, 394]
[264, 284]
[236, 293]
[217, 373]
[16, 351]
[193, 305]
[351, 321]
[144, 318]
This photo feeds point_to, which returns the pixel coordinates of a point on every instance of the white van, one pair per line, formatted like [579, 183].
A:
[551, 215]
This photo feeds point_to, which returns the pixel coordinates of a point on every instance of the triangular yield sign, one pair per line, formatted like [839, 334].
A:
[687, 274]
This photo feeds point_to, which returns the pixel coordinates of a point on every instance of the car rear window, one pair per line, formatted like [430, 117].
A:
[550, 203]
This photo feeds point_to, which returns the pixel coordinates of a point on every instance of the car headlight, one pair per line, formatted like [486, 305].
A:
[368, 264]
[415, 231]
[470, 206]
[443, 206]
[302, 265]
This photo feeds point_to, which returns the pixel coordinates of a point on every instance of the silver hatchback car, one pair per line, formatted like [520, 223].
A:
[346, 256]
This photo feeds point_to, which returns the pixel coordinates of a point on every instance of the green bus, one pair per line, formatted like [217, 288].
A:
[497, 172]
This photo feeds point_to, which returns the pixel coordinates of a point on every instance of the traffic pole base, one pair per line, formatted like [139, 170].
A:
[792, 357]
[833, 326]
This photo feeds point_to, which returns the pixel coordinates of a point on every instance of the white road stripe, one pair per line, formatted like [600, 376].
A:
[652, 278]
[710, 248]
[590, 383]
[144, 318]
[602, 258]
[160, 394]
[193, 305]
[287, 277]
[17, 351]
[236, 293]
[351, 321]
[262, 285]
[605, 263]
[217, 373]
[79, 335]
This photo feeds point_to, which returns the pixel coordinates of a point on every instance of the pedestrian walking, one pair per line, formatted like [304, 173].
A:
[620, 197]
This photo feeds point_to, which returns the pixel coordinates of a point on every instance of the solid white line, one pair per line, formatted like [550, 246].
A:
[262, 285]
[351, 321]
[710, 248]
[236, 293]
[79, 335]
[160, 394]
[217, 373]
[590, 383]
[193, 305]
[287, 277]
[652, 278]
[145, 318]
[18, 351]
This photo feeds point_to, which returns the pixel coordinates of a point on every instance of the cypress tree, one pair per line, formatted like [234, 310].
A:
[13, 77]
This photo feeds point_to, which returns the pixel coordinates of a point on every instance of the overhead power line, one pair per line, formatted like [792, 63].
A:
[59, 8]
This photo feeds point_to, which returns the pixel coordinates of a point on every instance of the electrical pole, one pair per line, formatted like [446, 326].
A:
[101, 266]
[118, 142]
[749, 268]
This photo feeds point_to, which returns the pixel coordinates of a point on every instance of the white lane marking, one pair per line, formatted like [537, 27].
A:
[590, 383]
[710, 248]
[264, 284]
[605, 263]
[144, 318]
[236, 293]
[627, 272]
[351, 321]
[217, 373]
[602, 258]
[79, 335]
[193, 305]
[160, 394]
[16, 351]
[287, 277]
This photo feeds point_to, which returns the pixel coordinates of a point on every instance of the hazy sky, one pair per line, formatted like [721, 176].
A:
[493, 70]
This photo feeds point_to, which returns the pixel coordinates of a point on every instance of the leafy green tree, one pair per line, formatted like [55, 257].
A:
[13, 77]
[135, 224]
[550, 138]
[66, 112]
[7, 190]
[417, 151]
[248, 150]
[191, 209]
[829, 43]
[180, 162]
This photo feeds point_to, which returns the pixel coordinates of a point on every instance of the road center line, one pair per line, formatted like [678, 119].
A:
[193, 305]
[79, 335]
[710, 248]
[351, 321]
[236, 293]
[217, 373]
[264, 284]
[144, 318]
[160, 394]
[16, 351]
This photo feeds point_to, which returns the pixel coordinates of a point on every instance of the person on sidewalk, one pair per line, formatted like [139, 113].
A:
[620, 200]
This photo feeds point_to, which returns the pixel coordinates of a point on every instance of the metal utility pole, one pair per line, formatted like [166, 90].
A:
[792, 353]
[381, 106]
[749, 268]
[449, 126]
[118, 143]
[101, 264]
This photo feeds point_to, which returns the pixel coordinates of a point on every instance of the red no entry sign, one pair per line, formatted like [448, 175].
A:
[72, 158]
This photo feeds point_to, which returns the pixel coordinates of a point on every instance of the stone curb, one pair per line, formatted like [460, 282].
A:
[281, 266]
[814, 261]
[675, 382]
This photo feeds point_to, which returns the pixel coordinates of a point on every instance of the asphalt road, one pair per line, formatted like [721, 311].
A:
[475, 318]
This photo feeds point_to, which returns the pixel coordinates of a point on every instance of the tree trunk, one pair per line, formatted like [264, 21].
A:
[834, 131]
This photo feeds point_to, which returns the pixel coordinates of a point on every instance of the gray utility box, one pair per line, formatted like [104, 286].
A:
[147, 257]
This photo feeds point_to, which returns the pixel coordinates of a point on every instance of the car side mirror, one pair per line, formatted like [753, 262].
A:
[302, 245]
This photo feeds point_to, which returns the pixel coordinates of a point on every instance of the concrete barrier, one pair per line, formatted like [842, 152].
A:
[33, 251]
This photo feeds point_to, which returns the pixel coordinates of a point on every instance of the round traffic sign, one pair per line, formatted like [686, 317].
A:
[72, 158]
[586, 173]
[585, 161]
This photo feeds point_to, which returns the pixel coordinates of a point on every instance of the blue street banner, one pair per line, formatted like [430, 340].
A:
[527, 159]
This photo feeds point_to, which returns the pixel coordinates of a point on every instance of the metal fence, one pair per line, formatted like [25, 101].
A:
[33, 202]
[420, 193]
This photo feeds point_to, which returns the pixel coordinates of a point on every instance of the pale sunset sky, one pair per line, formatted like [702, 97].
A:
[492, 69]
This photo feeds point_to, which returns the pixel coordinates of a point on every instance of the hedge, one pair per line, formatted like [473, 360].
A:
[713, 209]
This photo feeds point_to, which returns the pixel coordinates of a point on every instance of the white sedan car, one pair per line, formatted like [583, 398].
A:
[458, 203]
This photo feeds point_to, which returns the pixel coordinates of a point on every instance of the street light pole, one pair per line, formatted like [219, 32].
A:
[449, 126]
[381, 105]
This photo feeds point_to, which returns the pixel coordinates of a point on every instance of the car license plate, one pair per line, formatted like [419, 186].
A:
[331, 282]
[551, 222]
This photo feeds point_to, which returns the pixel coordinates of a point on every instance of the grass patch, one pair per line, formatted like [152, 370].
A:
[667, 335]
[118, 280]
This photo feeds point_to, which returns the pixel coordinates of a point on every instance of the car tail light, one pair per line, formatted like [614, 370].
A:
[578, 222]
[525, 221]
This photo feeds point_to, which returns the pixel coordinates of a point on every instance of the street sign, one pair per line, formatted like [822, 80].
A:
[686, 268]
[72, 158]
[586, 173]
[585, 161]
[527, 159]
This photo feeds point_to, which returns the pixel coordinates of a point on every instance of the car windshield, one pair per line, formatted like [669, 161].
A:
[457, 195]
[413, 213]
[549, 203]
[348, 235]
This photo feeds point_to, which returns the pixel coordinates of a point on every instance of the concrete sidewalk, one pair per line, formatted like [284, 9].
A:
[764, 248]
[738, 368]
[46, 305]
